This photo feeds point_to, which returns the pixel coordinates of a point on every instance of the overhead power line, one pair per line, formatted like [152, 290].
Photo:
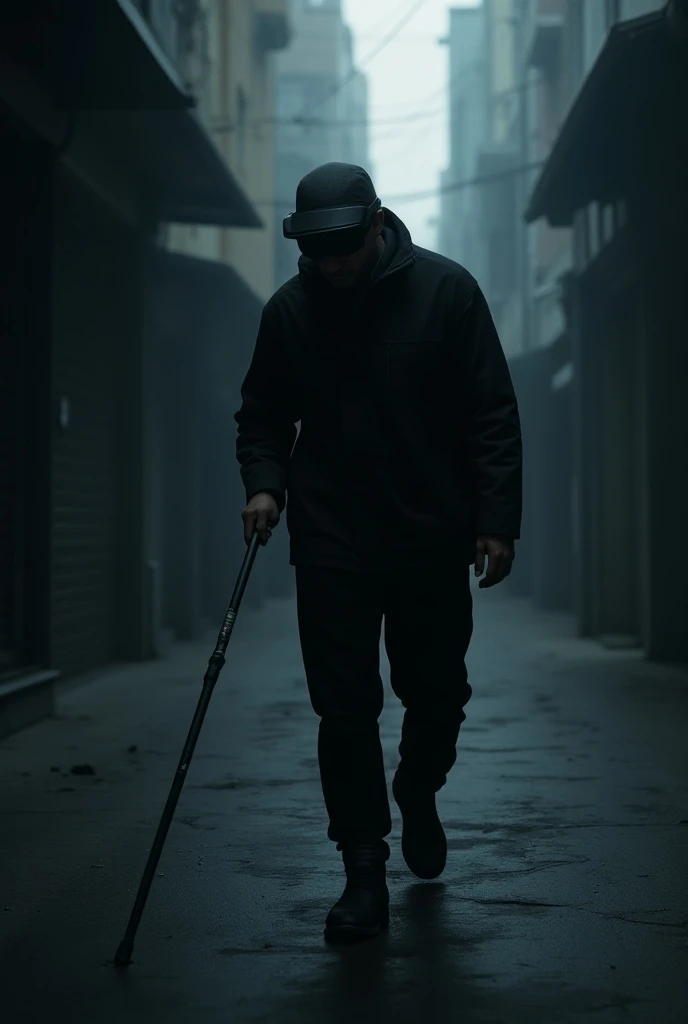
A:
[404, 119]
[327, 124]
[411, 197]
[369, 57]
[457, 186]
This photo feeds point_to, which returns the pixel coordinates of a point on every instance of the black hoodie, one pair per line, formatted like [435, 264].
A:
[410, 441]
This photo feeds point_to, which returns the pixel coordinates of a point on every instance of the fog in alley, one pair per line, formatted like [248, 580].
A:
[166, 320]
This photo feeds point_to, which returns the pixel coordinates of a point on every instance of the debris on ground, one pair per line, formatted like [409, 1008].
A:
[83, 769]
[132, 749]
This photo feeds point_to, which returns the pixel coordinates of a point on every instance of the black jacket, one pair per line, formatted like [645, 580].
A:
[410, 441]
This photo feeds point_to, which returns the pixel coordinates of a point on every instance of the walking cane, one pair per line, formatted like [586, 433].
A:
[217, 660]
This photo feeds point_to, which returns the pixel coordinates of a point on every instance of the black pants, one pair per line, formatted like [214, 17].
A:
[428, 626]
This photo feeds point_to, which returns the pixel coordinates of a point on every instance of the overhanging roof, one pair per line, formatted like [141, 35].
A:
[92, 54]
[100, 60]
[634, 77]
[167, 157]
[181, 172]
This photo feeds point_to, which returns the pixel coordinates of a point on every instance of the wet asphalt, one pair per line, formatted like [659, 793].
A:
[565, 897]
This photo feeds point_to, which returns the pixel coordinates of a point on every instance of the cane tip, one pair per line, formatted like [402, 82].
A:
[123, 954]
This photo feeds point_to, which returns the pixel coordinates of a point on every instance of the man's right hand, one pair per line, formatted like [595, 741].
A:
[260, 514]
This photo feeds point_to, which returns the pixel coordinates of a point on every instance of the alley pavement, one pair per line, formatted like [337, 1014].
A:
[565, 897]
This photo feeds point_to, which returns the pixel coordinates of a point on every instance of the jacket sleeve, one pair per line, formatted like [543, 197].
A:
[267, 418]
[493, 428]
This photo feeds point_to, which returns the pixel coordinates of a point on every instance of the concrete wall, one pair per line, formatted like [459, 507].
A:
[461, 236]
[549, 250]
[503, 73]
[251, 152]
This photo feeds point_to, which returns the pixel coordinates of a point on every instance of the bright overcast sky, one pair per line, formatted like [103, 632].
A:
[406, 78]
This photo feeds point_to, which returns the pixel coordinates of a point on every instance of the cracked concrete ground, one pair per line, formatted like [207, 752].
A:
[564, 899]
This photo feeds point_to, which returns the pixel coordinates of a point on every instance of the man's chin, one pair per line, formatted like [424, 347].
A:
[342, 282]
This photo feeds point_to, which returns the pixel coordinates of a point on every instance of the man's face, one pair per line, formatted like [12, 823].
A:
[345, 271]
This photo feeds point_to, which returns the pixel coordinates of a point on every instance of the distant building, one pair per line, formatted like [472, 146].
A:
[461, 237]
[318, 118]
[480, 223]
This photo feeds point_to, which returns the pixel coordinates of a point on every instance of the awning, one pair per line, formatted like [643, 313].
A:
[99, 60]
[188, 178]
[640, 72]
[181, 174]
[92, 54]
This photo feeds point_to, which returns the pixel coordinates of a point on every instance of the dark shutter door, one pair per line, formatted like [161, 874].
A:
[17, 193]
[8, 483]
[85, 342]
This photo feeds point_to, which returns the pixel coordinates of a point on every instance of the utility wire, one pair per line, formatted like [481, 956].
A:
[411, 197]
[457, 186]
[319, 123]
[355, 71]
[412, 141]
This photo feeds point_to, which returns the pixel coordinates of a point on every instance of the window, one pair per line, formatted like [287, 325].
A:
[612, 12]
[577, 42]
[242, 107]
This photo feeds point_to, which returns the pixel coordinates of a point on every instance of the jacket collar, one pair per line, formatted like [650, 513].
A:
[398, 255]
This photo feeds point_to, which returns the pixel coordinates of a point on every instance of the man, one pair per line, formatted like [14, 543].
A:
[406, 471]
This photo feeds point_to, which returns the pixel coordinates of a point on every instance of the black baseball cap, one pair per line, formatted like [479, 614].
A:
[335, 207]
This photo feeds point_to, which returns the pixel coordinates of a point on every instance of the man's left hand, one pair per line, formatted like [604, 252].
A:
[499, 552]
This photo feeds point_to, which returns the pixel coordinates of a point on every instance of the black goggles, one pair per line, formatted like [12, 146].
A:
[338, 231]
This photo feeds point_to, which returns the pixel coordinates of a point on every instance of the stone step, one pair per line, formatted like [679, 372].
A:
[26, 698]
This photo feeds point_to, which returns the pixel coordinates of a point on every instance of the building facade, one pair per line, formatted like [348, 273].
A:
[480, 223]
[212, 287]
[321, 108]
[580, 218]
[232, 67]
[460, 225]
[115, 352]
[612, 178]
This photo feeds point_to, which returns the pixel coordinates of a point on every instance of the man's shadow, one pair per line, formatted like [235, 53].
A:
[415, 973]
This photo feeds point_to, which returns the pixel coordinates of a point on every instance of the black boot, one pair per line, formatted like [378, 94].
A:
[363, 908]
[423, 842]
